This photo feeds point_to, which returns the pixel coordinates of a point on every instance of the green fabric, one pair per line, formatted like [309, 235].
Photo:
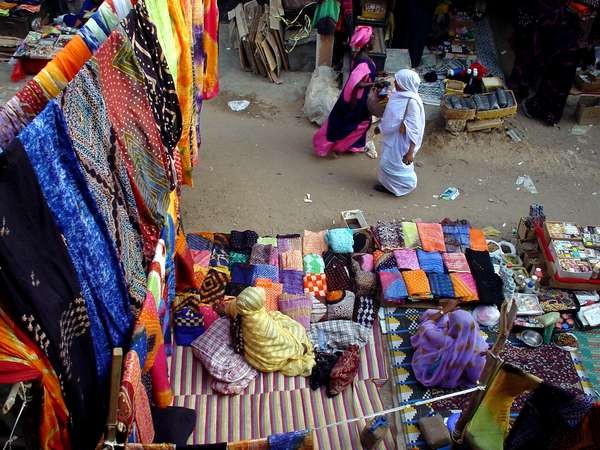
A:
[158, 10]
[267, 240]
[411, 235]
[329, 8]
[589, 354]
[238, 258]
[314, 263]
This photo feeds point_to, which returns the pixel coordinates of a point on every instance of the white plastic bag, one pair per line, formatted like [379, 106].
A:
[321, 94]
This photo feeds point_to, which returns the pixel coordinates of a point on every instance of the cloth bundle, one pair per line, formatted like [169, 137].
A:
[455, 262]
[213, 286]
[216, 354]
[464, 286]
[417, 284]
[242, 241]
[320, 374]
[432, 237]
[264, 254]
[344, 371]
[292, 281]
[219, 257]
[188, 325]
[314, 242]
[365, 311]
[441, 285]
[489, 284]
[298, 307]
[384, 261]
[318, 309]
[340, 305]
[315, 284]
[338, 335]
[288, 242]
[363, 262]
[411, 235]
[338, 278]
[388, 235]
[340, 240]
[406, 259]
[272, 293]
[291, 260]
[366, 283]
[456, 235]
[478, 241]
[332, 259]
[313, 263]
[430, 262]
[242, 274]
[393, 287]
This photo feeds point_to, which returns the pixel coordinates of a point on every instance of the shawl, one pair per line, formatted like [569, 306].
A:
[406, 259]
[409, 82]
[210, 87]
[489, 284]
[344, 371]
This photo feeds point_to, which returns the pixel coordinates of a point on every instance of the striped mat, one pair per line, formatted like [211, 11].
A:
[233, 418]
[188, 376]
[587, 359]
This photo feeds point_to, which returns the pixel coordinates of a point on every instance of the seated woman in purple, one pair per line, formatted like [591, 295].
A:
[345, 130]
[449, 350]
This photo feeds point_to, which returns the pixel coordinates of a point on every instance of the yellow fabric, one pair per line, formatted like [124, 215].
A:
[183, 83]
[461, 290]
[272, 341]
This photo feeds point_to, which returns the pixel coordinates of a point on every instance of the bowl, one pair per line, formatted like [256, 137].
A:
[531, 338]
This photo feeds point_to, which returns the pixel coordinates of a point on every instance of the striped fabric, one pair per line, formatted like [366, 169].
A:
[188, 377]
[231, 419]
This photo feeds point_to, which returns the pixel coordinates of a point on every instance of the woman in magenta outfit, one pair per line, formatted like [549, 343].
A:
[449, 350]
[345, 130]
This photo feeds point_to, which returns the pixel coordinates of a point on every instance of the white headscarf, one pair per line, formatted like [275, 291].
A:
[408, 81]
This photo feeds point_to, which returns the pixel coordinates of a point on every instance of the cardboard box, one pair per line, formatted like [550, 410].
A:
[588, 110]
[565, 231]
[524, 232]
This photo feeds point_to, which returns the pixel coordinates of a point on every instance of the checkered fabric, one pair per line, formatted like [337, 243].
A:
[272, 293]
[338, 335]
[441, 285]
[365, 311]
[265, 271]
[315, 284]
[338, 278]
[188, 325]
[430, 262]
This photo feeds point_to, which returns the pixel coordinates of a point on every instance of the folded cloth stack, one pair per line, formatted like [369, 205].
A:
[291, 260]
[411, 235]
[213, 286]
[292, 281]
[318, 309]
[388, 235]
[393, 287]
[214, 350]
[272, 293]
[417, 285]
[314, 242]
[430, 262]
[340, 305]
[363, 262]
[340, 240]
[432, 237]
[316, 284]
[464, 286]
[489, 284]
[455, 262]
[313, 263]
[242, 241]
[332, 259]
[338, 278]
[287, 242]
[365, 283]
[242, 274]
[334, 335]
[477, 240]
[441, 285]
[265, 271]
[384, 261]
[456, 235]
[264, 254]
[406, 259]
[298, 307]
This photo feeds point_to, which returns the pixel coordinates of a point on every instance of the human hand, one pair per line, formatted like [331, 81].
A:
[408, 158]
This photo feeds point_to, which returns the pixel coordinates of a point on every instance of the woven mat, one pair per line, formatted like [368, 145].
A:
[588, 359]
[547, 362]
[223, 418]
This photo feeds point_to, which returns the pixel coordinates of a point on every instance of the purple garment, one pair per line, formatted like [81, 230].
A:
[449, 352]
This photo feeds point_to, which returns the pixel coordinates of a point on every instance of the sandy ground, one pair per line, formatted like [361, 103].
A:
[257, 165]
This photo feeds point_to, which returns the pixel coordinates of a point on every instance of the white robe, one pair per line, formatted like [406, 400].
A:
[396, 176]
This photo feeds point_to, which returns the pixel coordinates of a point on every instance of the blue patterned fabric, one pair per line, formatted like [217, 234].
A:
[340, 240]
[441, 285]
[167, 234]
[197, 242]
[293, 440]
[293, 281]
[76, 213]
[430, 262]
[242, 274]
[219, 257]
[265, 271]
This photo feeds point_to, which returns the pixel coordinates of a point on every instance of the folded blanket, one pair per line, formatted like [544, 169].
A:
[489, 284]
[411, 235]
[315, 284]
[406, 259]
[314, 242]
[291, 260]
[432, 237]
[455, 262]
[388, 235]
[242, 274]
[287, 242]
[441, 285]
[340, 240]
[292, 281]
[333, 259]
[298, 307]
[478, 241]
[430, 262]
[242, 241]
[313, 263]
[393, 287]
[318, 309]
[464, 287]
[264, 254]
[272, 293]
[338, 278]
[265, 271]
[417, 284]
[338, 335]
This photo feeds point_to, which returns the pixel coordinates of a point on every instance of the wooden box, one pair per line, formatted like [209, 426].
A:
[588, 110]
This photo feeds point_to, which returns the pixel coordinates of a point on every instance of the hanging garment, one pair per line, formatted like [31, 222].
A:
[40, 285]
[210, 87]
[404, 109]
[21, 360]
[326, 16]
[105, 172]
[76, 213]
[137, 135]
[414, 19]
[197, 67]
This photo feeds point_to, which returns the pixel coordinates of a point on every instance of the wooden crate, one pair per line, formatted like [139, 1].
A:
[480, 125]
[588, 110]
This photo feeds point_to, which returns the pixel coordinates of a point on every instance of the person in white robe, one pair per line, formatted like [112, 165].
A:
[402, 127]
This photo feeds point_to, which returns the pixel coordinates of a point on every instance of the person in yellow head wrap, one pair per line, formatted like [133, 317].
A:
[272, 341]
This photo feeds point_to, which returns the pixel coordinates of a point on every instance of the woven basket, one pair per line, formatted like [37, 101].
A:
[499, 113]
[456, 114]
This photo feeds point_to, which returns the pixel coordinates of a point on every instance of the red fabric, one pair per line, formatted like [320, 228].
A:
[344, 370]
[11, 373]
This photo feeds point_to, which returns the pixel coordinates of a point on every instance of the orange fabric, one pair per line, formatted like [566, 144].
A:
[16, 347]
[432, 237]
[272, 293]
[477, 238]
[183, 85]
[211, 50]
[72, 57]
[461, 290]
[417, 284]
